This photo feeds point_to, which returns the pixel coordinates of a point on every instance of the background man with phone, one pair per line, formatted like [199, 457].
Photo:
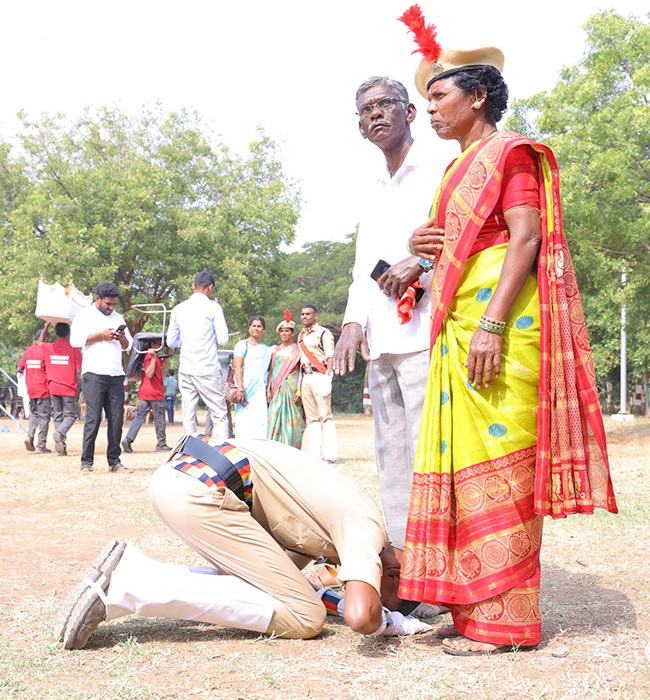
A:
[103, 336]
[398, 352]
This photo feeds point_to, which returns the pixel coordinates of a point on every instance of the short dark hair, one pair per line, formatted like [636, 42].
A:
[62, 330]
[107, 290]
[394, 85]
[489, 78]
[170, 372]
[261, 319]
[309, 306]
[203, 280]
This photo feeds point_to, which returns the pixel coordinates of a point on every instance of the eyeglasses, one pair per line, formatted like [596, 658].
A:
[386, 104]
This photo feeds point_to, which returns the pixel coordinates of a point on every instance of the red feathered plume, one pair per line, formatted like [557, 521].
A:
[424, 34]
[287, 315]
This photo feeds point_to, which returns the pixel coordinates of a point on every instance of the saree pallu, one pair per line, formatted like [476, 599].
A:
[474, 539]
[286, 421]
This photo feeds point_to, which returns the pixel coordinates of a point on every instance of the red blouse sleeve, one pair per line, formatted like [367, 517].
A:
[520, 180]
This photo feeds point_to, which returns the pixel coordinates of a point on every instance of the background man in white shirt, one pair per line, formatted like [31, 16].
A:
[398, 353]
[198, 327]
[102, 335]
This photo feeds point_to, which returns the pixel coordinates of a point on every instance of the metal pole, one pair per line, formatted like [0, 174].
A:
[623, 408]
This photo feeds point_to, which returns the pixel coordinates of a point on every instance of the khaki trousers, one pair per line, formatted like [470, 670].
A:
[219, 527]
[318, 412]
[317, 407]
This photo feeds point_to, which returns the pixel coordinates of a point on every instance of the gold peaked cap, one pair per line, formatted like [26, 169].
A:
[451, 61]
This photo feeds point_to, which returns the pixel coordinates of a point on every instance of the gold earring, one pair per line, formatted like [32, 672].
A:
[477, 104]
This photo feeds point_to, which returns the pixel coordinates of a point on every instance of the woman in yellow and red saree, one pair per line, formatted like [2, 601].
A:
[512, 428]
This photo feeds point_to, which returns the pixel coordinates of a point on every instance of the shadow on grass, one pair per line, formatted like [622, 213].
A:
[575, 604]
[145, 630]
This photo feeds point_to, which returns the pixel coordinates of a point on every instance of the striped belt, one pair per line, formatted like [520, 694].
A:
[215, 464]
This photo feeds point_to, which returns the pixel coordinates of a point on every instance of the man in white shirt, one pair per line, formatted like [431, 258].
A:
[398, 352]
[198, 327]
[103, 336]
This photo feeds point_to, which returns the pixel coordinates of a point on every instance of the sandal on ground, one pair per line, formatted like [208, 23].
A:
[447, 632]
[496, 648]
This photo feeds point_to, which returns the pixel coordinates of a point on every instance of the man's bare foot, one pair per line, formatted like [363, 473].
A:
[447, 631]
[462, 646]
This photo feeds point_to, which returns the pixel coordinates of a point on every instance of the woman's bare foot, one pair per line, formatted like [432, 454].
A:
[462, 646]
[447, 631]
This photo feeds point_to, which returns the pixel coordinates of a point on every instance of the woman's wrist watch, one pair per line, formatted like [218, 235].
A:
[426, 265]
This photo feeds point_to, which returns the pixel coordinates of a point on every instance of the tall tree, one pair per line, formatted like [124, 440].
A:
[145, 201]
[597, 120]
[318, 274]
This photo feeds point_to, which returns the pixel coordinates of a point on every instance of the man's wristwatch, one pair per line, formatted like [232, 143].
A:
[426, 265]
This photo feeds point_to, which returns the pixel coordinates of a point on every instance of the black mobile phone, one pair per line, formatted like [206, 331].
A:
[121, 328]
[379, 269]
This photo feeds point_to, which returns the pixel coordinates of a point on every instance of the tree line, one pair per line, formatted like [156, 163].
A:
[597, 120]
[148, 199]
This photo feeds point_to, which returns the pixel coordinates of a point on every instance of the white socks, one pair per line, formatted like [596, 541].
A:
[152, 589]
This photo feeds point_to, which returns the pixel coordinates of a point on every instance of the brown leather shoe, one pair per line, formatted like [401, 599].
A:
[325, 577]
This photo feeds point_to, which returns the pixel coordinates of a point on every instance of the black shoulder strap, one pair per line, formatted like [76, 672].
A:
[212, 457]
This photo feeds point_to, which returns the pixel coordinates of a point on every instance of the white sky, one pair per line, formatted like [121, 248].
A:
[292, 66]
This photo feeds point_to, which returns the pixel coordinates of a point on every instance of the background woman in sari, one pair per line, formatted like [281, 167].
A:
[251, 366]
[286, 420]
[512, 428]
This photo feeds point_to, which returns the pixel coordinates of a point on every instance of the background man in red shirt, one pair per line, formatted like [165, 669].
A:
[40, 407]
[151, 397]
[63, 367]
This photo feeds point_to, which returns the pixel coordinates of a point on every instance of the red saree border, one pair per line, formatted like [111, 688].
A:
[511, 617]
[572, 474]
[474, 536]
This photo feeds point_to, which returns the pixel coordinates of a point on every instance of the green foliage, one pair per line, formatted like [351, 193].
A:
[320, 274]
[145, 201]
[597, 120]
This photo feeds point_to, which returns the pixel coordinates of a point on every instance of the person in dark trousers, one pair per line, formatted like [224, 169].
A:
[171, 388]
[63, 367]
[151, 397]
[32, 363]
[103, 336]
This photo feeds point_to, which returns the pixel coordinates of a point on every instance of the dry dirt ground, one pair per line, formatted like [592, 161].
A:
[53, 522]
